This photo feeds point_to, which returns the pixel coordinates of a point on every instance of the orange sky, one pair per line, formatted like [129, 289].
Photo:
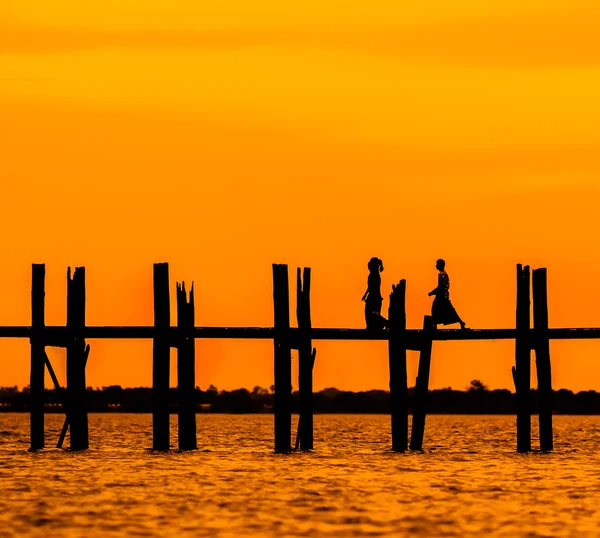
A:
[225, 136]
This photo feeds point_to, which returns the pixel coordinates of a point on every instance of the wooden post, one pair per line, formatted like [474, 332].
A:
[186, 369]
[522, 369]
[300, 419]
[305, 360]
[542, 357]
[76, 386]
[397, 362]
[422, 386]
[38, 354]
[66, 423]
[282, 401]
[161, 360]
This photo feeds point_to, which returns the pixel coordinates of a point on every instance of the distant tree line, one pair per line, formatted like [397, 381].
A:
[476, 399]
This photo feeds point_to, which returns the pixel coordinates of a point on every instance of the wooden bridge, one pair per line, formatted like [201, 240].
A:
[285, 338]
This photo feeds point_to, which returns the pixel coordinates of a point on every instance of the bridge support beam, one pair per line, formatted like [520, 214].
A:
[76, 360]
[38, 354]
[161, 361]
[522, 369]
[422, 386]
[282, 401]
[186, 370]
[542, 357]
[397, 364]
[306, 361]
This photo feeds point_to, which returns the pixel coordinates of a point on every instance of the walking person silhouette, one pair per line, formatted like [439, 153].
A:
[442, 310]
[372, 297]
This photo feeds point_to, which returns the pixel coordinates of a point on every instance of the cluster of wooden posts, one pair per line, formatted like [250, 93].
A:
[399, 342]
[73, 339]
[285, 338]
[539, 341]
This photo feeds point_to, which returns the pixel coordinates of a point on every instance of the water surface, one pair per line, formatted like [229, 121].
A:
[468, 482]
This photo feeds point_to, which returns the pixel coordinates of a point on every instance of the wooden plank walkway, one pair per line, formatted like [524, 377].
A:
[134, 332]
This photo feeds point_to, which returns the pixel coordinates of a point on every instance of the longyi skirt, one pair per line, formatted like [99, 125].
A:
[443, 312]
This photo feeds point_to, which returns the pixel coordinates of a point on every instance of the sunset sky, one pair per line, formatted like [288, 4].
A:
[226, 136]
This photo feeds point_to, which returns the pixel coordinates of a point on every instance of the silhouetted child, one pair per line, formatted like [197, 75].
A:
[372, 296]
[442, 310]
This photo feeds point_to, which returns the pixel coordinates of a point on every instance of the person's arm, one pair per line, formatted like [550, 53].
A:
[370, 288]
[436, 290]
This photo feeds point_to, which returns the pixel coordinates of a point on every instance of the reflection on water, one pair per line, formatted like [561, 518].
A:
[469, 482]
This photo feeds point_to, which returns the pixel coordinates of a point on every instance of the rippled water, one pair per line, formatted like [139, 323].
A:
[468, 482]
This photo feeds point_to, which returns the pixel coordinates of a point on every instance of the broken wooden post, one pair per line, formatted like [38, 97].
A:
[161, 359]
[282, 401]
[186, 369]
[522, 369]
[305, 360]
[38, 354]
[422, 386]
[76, 386]
[542, 357]
[397, 363]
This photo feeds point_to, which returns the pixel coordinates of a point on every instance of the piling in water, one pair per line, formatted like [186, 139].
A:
[76, 360]
[282, 401]
[522, 369]
[186, 369]
[422, 386]
[161, 364]
[38, 354]
[67, 421]
[542, 357]
[305, 361]
[397, 364]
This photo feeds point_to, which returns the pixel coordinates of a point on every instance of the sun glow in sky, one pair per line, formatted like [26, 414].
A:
[226, 136]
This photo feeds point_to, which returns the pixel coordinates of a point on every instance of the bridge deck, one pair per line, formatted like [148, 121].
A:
[135, 332]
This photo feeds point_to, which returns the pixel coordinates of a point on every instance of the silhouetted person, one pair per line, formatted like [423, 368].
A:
[372, 296]
[442, 310]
